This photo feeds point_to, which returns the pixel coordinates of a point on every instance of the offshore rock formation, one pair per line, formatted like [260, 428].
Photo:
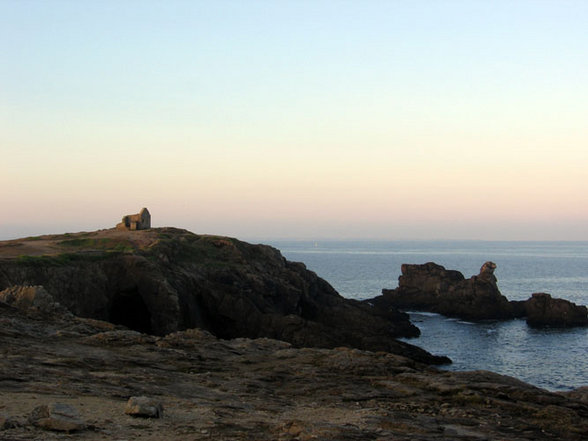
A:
[163, 280]
[430, 287]
[244, 389]
[543, 310]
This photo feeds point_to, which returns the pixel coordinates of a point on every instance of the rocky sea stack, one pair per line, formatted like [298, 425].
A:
[431, 287]
[163, 280]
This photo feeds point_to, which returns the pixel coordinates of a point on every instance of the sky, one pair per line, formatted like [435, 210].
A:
[296, 119]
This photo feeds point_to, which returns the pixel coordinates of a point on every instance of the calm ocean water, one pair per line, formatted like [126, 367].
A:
[554, 359]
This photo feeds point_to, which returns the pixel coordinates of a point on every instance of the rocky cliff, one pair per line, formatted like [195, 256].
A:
[163, 280]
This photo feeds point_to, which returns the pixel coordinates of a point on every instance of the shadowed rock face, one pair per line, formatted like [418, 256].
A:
[168, 279]
[126, 289]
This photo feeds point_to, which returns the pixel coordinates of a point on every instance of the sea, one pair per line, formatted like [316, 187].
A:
[553, 359]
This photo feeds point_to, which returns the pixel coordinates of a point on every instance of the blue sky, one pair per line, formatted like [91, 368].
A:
[310, 119]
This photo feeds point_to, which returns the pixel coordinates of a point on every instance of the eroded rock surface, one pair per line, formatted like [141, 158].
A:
[261, 389]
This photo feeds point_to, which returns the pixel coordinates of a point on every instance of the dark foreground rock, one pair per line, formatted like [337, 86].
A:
[253, 389]
[431, 287]
[163, 280]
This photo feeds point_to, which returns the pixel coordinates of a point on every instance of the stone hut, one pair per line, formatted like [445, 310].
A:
[139, 221]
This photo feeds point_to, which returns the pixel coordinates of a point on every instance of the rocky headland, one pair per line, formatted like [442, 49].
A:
[431, 287]
[163, 280]
[164, 334]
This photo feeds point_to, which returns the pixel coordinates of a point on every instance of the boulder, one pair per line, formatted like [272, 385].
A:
[57, 416]
[544, 310]
[144, 407]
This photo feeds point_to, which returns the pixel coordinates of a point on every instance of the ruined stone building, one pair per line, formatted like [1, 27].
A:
[139, 221]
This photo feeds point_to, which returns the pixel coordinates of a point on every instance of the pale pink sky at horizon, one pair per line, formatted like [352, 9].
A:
[326, 119]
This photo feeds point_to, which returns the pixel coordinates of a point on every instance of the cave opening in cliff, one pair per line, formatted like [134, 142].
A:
[129, 309]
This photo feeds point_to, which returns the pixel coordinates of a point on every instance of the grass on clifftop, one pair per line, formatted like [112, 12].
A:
[108, 244]
[63, 258]
[209, 250]
[166, 244]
